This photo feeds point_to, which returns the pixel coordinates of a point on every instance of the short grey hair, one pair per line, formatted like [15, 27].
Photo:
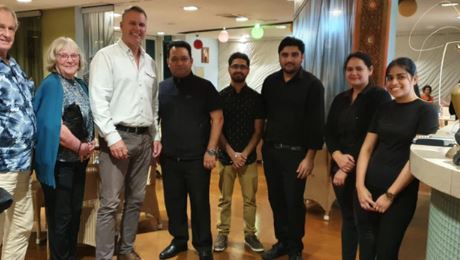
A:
[9, 10]
[56, 46]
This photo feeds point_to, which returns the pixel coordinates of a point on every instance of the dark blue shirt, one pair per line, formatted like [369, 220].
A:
[184, 111]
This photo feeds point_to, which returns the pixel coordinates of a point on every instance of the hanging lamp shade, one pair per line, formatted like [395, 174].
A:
[407, 7]
[223, 36]
[198, 44]
[257, 32]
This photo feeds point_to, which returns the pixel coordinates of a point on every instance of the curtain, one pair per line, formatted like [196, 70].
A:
[27, 47]
[326, 28]
[97, 30]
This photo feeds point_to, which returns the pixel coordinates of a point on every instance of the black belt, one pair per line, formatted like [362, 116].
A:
[134, 130]
[289, 147]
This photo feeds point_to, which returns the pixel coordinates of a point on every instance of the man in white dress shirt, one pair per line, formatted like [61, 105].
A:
[124, 101]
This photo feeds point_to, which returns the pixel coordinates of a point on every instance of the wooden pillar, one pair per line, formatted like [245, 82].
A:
[371, 33]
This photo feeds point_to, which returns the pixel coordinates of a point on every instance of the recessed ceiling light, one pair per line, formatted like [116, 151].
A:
[190, 8]
[161, 33]
[24, 1]
[241, 19]
[116, 28]
[281, 27]
[448, 4]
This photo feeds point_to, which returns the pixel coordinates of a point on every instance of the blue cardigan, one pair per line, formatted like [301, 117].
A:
[47, 104]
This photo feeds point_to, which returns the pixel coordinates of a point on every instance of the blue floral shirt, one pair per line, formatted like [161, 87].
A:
[17, 119]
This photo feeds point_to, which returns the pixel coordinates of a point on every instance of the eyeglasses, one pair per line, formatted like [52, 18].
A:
[65, 56]
[239, 66]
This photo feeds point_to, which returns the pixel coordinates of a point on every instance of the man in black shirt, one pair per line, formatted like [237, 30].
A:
[191, 121]
[294, 103]
[243, 113]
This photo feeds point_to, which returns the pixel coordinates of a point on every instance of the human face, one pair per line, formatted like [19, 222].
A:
[290, 59]
[427, 91]
[133, 27]
[238, 70]
[7, 31]
[357, 73]
[67, 62]
[180, 62]
[400, 84]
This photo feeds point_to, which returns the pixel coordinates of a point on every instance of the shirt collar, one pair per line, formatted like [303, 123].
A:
[126, 49]
[299, 75]
[11, 61]
[244, 89]
[184, 79]
[366, 89]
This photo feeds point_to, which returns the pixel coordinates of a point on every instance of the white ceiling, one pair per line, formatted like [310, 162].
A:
[168, 16]
[432, 16]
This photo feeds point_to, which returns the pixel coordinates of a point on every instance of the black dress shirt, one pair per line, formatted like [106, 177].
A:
[348, 122]
[184, 107]
[240, 112]
[295, 110]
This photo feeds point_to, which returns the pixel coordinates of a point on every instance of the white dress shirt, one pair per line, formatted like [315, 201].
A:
[121, 92]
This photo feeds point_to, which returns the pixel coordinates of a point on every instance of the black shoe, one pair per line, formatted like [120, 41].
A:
[277, 250]
[296, 256]
[172, 250]
[205, 254]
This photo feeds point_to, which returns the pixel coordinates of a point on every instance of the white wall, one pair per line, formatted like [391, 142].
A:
[210, 70]
[429, 62]
[263, 55]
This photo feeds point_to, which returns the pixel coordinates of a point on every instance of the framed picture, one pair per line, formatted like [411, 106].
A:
[205, 55]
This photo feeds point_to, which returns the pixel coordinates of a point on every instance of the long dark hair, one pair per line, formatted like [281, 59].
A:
[409, 66]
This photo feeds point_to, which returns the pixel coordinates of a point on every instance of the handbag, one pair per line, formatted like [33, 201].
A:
[5, 199]
[73, 119]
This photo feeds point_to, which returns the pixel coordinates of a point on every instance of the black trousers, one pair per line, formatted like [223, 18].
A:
[380, 235]
[182, 178]
[345, 197]
[285, 193]
[63, 208]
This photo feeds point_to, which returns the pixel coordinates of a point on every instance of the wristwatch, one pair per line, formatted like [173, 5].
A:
[390, 196]
[212, 152]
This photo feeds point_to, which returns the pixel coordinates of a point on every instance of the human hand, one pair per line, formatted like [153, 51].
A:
[209, 161]
[119, 150]
[305, 168]
[346, 162]
[239, 160]
[382, 203]
[365, 199]
[339, 178]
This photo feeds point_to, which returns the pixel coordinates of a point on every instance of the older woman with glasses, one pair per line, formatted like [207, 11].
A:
[63, 145]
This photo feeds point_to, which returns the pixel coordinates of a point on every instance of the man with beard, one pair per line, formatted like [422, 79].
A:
[294, 102]
[243, 113]
[191, 121]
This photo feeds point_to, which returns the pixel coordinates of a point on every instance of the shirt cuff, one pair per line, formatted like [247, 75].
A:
[112, 138]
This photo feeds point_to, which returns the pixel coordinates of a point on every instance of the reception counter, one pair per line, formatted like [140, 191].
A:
[430, 166]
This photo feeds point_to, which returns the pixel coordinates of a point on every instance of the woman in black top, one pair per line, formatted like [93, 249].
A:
[387, 191]
[347, 124]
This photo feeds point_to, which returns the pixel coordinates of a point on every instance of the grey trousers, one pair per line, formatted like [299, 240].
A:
[117, 176]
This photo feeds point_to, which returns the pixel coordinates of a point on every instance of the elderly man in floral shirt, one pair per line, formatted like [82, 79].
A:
[17, 131]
